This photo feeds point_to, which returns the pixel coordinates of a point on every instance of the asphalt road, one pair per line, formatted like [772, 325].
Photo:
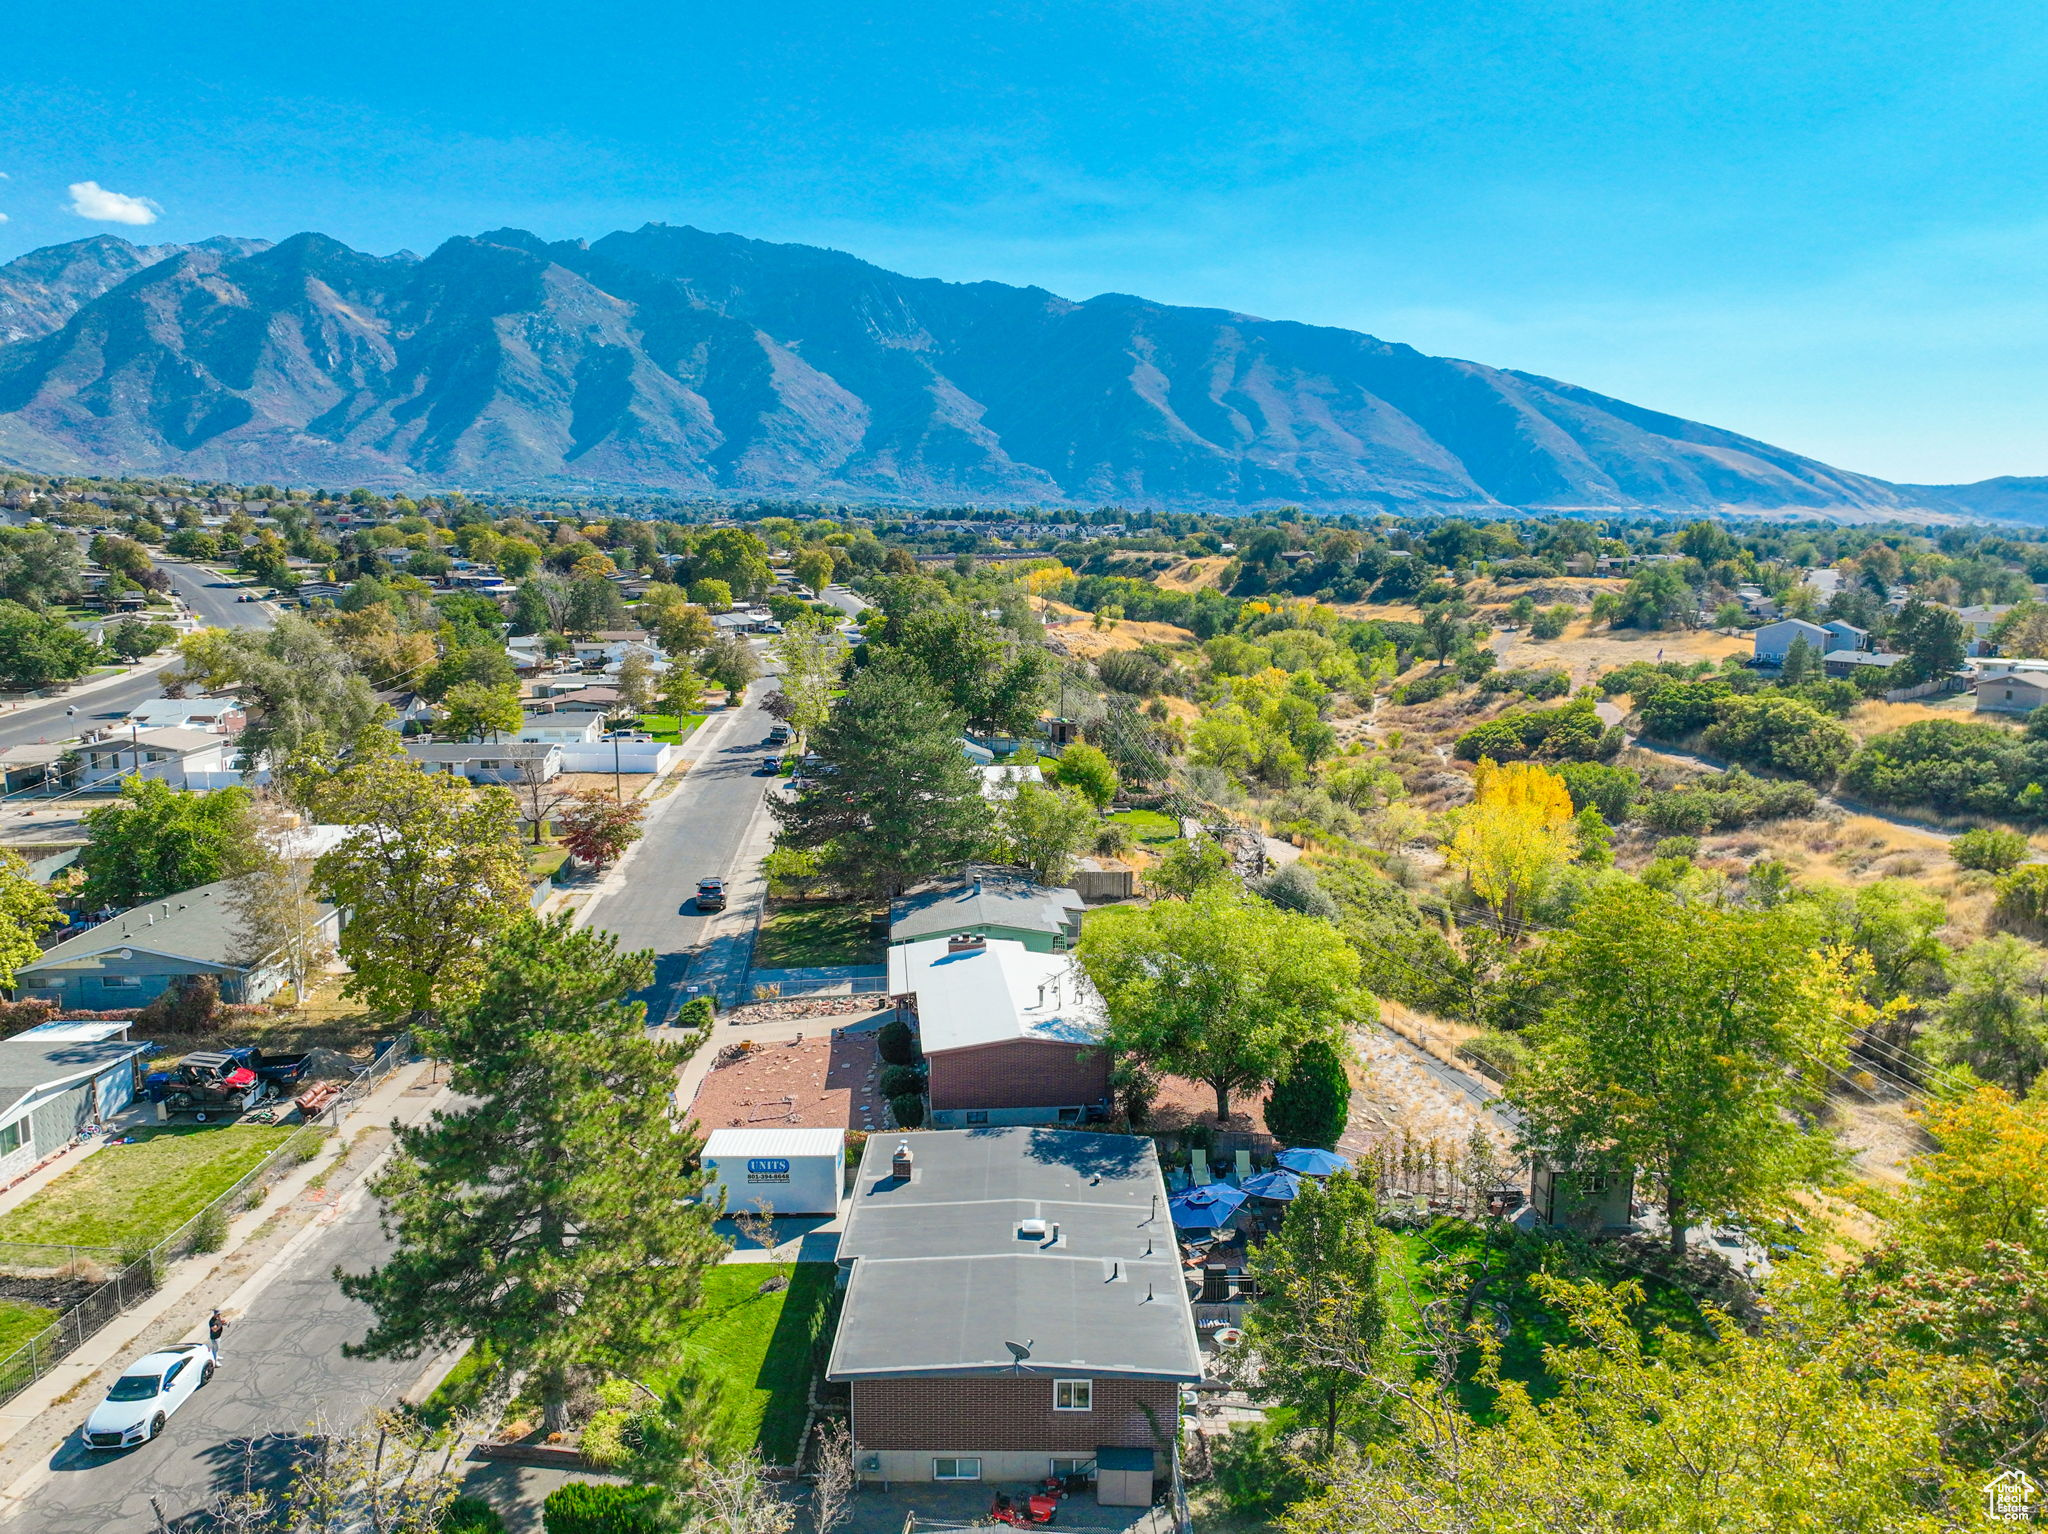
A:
[694, 832]
[212, 602]
[281, 1373]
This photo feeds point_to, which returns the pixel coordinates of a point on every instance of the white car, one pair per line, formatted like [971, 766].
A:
[146, 1394]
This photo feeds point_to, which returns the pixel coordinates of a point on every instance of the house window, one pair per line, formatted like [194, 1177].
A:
[1073, 1395]
[1064, 1466]
[1070, 1115]
[961, 1468]
[977, 1115]
[12, 1137]
[120, 982]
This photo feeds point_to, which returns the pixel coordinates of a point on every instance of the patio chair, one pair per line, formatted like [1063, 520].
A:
[1244, 1166]
[1199, 1160]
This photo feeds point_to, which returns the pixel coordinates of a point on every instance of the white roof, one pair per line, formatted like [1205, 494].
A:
[722, 1143]
[76, 1033]
[994, 993]
[1001, 781]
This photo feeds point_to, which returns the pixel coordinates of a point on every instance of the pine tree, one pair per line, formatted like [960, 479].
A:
[897, 801]
[550, 1218]
[1311, 1104]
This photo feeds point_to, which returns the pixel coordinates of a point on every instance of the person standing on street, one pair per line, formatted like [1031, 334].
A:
[216, 1324]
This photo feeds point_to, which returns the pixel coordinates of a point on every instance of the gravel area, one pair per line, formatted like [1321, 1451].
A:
[815, 1082]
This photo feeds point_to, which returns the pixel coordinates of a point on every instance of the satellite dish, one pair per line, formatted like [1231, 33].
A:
[1019, 1351]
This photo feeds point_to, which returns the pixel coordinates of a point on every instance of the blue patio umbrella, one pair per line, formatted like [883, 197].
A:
[1280, 1186]
[1207, 1208]
[1313, 1162]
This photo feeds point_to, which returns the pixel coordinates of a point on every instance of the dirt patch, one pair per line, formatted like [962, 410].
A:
[819, 1083]
[1876, 717]
[1586, 653]
[1192, 574]
[1077, 632]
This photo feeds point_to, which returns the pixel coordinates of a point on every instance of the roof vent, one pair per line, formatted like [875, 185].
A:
[1032, 1230]
[901, 1163]
[966, 942]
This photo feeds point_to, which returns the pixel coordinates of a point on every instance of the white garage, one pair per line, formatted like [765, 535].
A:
[794, 1171]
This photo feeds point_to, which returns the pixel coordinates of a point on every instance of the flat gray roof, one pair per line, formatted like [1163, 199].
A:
[943, 1279]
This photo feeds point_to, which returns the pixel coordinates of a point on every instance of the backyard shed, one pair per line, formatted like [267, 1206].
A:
[794, 1171]
[1123, 1477]
[55, 1079]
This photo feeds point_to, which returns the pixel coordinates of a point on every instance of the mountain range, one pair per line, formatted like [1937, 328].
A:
[667, 358]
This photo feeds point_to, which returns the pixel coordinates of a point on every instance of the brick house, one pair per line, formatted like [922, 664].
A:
[1014, 1307]
[1011, 1036]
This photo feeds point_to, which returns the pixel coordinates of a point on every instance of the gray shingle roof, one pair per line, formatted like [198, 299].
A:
[196, 924]
[999, 897]
[943, 1278]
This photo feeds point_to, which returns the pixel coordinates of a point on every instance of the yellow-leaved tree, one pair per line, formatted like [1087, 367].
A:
[1515, 834]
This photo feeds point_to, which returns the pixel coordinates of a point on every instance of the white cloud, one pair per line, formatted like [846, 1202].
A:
[91, 200]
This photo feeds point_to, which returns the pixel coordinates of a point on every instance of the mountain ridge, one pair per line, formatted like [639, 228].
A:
[671, 358]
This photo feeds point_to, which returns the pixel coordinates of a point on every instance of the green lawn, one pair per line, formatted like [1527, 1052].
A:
[747, 1357]
[670, 727]
[542, 861]
[19, 1322]
[1412, 1271]
[135, 1195]
[806, 937]
[1149, 826]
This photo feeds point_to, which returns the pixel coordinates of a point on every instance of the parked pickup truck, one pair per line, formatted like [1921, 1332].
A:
[223, 1081]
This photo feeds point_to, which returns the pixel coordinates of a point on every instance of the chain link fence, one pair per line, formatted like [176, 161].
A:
[135, 1276]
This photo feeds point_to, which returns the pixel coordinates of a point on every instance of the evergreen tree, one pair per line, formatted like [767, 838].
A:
[551, 1217]
[1311, 1104]
[897, 801]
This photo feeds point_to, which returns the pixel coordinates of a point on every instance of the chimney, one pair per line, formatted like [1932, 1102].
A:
[977, 884]
[966, 942]
[901, 1163]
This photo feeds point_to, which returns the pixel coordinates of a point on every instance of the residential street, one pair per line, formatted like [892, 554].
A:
[696, 831]
[281, 1372]
[212, 602]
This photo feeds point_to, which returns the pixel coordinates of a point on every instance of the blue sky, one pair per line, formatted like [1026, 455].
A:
[1825, 224]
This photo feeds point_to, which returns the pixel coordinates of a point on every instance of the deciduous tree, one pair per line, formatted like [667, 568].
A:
[1220, 987]
[1515, 835]
[596, 827]
[157, 840]
[1681, 1041]
[1045, 829]
[431, 872]
[472, 711]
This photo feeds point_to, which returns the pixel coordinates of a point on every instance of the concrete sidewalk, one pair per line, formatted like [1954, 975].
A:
[188, 1276]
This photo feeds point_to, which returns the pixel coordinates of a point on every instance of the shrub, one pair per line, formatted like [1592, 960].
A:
[2023, 896]
[1295, 888]
[188, 1006]
[1992, 849]
[1686, 847]
[1610, 790]
[1570, 733]
[902, 1080]
[1674, 710]
[1718, 800]
[896, 1044]
[1550, 622]
[589, 1507]
[1426, 689]
[1503, 1053]
[471, 1515]
[1952, 765]
[1311, 1104]
[1782, 734]
[1535, 681]
[699, 1012]
[210, 1230]
[909, 1110]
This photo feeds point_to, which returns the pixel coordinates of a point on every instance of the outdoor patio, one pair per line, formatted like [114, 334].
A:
[959, 1504]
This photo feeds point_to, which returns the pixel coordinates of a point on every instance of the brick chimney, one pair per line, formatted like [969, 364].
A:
[966, 942]
[901, 1163]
